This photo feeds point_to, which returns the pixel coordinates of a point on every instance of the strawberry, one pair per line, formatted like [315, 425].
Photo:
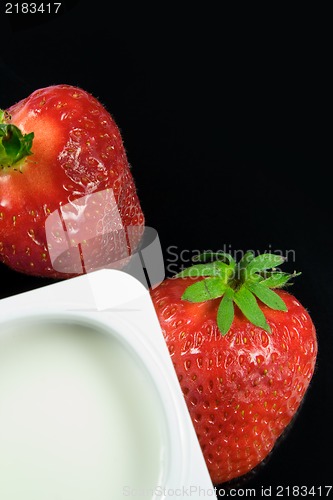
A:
[243, 352]
[61, 154]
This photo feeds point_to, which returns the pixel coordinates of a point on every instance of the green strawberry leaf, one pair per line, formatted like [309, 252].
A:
[242, 266]
[226, 312]
[248, 284]
[13, 144]
[221, 256]
[207, 289]
[248, 304]
[267, 296]
[278, 280]
[264, 261]
[217, 268]
[246, 259]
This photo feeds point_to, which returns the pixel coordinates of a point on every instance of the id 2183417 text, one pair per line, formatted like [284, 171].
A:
[32, 8]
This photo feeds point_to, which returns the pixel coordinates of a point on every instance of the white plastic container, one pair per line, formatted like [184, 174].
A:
[90, 405]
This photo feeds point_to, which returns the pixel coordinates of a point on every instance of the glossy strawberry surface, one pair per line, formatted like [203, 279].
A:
[242, 389]
[77, 151]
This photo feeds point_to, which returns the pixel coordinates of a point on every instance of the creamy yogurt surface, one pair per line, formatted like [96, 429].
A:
[79, 417]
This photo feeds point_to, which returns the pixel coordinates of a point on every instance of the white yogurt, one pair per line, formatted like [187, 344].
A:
[80, 419]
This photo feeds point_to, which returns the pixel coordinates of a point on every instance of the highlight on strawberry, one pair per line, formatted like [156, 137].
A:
[59, 147]
[244, 350]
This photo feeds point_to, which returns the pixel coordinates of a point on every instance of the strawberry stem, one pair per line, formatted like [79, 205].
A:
[14, 146]
[241, 283]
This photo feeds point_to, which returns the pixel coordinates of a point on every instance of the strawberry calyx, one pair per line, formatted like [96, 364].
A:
[14, 146]
[241, 283]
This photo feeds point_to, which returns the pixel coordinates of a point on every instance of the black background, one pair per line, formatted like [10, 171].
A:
[225, 117]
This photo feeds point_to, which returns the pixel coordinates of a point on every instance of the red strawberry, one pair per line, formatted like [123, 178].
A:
[62, 153]
[244, 355]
